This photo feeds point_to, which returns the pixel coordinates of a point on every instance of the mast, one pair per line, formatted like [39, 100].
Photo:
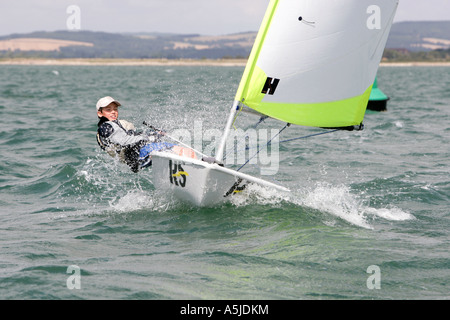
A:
[219, 153]
[247, 72]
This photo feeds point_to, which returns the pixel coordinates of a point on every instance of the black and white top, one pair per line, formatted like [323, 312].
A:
[120, 138]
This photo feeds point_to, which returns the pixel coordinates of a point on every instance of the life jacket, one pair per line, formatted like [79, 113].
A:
[114, 149]
[128, 154]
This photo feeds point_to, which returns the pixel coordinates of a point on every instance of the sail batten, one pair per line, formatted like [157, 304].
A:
[317, 73]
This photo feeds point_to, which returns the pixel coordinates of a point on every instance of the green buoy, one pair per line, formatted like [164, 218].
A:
[378, 100]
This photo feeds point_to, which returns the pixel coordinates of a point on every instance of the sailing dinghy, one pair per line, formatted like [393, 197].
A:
[313, 64]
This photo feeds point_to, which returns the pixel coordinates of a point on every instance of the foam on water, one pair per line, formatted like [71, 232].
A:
[115, 189]
[134, 200]
[257, 194]
[138, 199]
[341, 202]
[338, 201]
[392, 214]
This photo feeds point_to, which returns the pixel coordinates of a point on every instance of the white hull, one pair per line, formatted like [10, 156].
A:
[198, 182]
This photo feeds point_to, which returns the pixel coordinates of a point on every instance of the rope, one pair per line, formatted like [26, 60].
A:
[268, 143]
[235, 117]
[298, 138]
[309, 136]
[287, 140]
[262, 119]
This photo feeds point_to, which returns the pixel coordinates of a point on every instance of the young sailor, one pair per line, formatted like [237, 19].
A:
[120, 138]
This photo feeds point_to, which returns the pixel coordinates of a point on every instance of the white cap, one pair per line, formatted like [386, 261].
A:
[106, 101]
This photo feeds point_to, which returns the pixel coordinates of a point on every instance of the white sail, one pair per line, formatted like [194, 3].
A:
[314, 61]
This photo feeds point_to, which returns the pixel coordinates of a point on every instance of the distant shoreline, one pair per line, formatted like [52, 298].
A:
[172, 62]
[415, 64]
[124, 62]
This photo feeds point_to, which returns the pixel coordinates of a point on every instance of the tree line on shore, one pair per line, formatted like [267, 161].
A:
[178, 46]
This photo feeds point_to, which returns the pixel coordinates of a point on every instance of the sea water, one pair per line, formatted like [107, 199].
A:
[367, 218]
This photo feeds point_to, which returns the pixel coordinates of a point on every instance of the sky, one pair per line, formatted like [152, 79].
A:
[206, 17]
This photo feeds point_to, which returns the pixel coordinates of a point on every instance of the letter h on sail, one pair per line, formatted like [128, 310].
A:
[270, 86]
